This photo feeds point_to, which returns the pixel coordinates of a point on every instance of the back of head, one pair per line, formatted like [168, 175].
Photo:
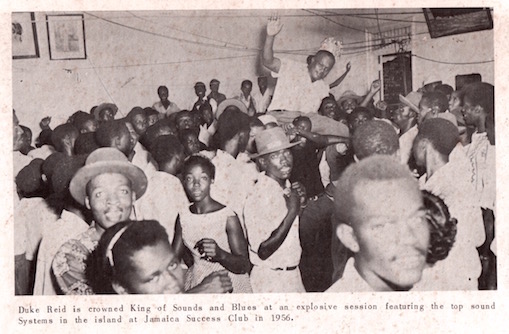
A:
[436, 100]
[377, 168]
[153, 132]
[482, 94]
[108, 131]
[164, 148]
[44, 138]
[111, 260]
[375, 137]
[85, 143]
[444, 89]
[441, 133]
[63, 133]
[231, 122]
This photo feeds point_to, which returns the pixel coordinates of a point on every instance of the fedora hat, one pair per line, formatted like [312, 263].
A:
[230, 102]
[411, 100]
[106, 160]
[271, 140]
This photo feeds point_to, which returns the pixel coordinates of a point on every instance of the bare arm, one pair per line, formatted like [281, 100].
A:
[217, 282]
[274, 26]
[342, 77]
[238, 260]
[278, 236]
[375, 87]
[322, 140]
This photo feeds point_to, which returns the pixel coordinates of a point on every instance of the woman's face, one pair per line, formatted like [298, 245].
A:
[197, 183]
[156, 270]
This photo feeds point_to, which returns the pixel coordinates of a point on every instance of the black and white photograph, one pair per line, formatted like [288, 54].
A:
[317, 153]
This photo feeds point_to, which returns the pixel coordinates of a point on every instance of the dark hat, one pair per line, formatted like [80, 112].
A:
[106, 160]
[272, 140]
[29, 179]
[102, 106]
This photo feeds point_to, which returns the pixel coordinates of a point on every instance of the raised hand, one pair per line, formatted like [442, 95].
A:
[44, 123]
[375, 86]
[274, 26]
[301, 192]
[348, 66]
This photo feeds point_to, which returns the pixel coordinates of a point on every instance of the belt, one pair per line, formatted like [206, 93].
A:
[285, 269]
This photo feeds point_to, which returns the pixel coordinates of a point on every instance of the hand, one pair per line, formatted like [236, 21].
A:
[375, 86]
[209, 249]
[292, 199]
[301, 192]
[44, 123]
[348, 66]
[341, 148]
[274, 26]
[217, 282]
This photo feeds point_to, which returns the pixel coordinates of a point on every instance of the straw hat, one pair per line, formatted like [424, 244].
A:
[272, 140]
[230, 102]
[411, 100]
[106, 160]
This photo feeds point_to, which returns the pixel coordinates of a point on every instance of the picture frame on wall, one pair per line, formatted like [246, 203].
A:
[452, 21]
[24, 36]
[66, 36]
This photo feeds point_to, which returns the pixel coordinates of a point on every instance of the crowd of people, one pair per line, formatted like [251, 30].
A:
[288, 189]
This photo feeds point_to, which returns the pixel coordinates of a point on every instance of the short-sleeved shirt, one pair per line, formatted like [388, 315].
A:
[264, 211]
[172, 108]
[295, 91]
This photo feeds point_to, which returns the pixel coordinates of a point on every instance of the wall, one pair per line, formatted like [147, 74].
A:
[125, 65]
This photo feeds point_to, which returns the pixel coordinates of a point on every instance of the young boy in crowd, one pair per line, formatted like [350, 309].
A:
[200, 90]
[138, 119]
[245, 97]
[271, 216]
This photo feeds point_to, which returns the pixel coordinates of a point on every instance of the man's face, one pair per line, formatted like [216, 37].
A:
[454, 101]
[110, 198]
[392, 233]
[320, 66]
[401, 114]
[246, 89]
[262, 84]
[278, 165]
[469, 112]
[191, 144]
[330, 109]
[302, 125]
[156, 270]
[214, 87]
[185, 121]
[163, 94]
[349, 105]
[199, 91]
[359, 119]
[425, 111]
[140, 123]
[17, 134]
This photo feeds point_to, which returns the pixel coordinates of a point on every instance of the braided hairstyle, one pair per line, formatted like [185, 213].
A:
[442, 228]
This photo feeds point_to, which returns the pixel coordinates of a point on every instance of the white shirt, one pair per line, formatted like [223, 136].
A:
[462, 266]
[406, 141]
[163, 201]
[262, 100]
[264, 212]
[294, 90]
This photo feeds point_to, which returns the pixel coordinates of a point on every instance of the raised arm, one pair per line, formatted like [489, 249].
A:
[342, 77]
[375, 87]
[178, 243]
[274, 26]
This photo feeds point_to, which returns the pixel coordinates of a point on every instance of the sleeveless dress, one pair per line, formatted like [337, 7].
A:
[209, 225]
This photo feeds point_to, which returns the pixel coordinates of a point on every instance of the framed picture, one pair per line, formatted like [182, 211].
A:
[24, 36]
[66, 36]
[453, 21]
